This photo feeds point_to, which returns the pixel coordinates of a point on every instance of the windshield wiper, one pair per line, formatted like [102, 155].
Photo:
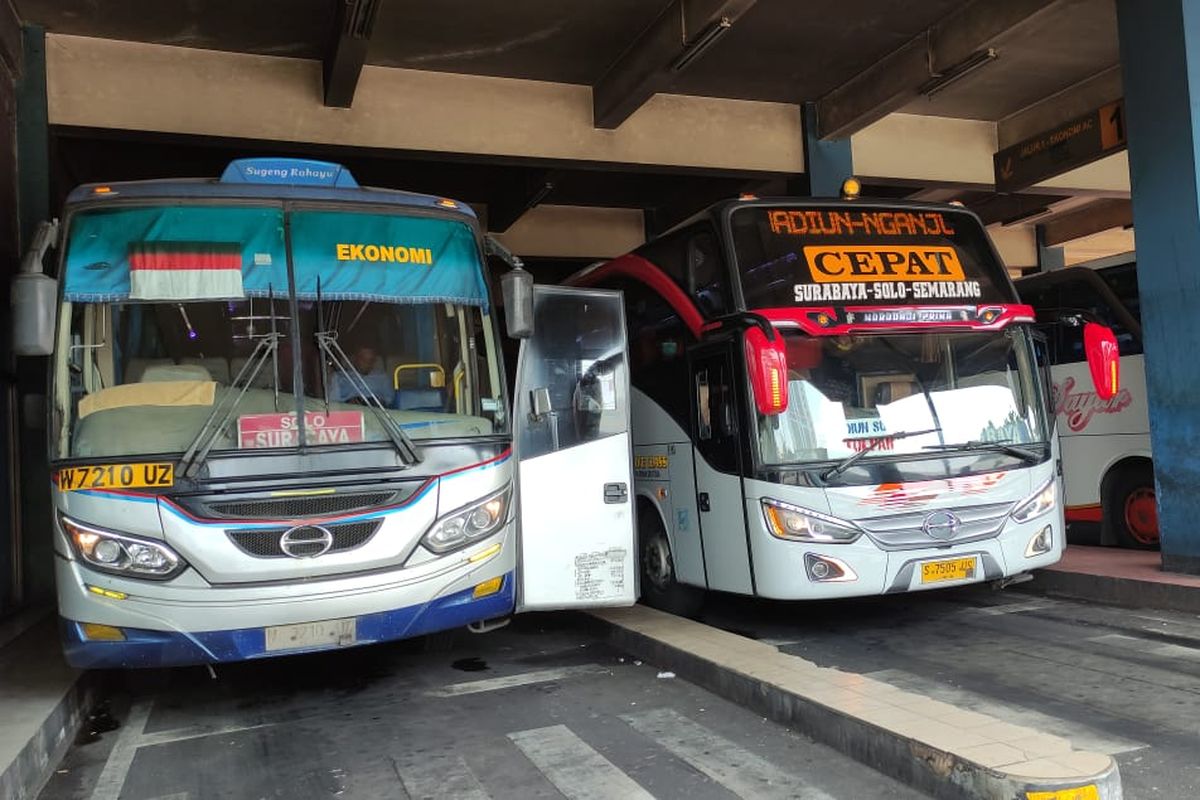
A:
[1001, 445]
[327, 341]
[222, 412]
[841, 467]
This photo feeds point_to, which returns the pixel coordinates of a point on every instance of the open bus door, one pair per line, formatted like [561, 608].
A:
[574, 463]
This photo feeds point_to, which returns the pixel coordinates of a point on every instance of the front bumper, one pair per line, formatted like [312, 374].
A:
[155, 648]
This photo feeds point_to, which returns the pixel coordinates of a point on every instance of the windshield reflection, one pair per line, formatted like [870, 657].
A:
[853, 393]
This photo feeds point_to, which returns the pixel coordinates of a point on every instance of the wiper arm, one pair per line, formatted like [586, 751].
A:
[841, 467]
[1000, 444]
[198, 450]
[404, 445]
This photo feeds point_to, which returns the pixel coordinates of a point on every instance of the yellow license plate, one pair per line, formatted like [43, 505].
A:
[116, 476]
[952, 569]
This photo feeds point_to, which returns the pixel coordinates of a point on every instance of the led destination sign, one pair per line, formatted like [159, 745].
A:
[865, 256]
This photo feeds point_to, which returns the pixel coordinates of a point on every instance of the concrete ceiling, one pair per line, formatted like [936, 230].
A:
[779, 50]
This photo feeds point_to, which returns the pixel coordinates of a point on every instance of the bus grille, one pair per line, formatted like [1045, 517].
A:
[296, 507]
[905, 531]
[265, 543]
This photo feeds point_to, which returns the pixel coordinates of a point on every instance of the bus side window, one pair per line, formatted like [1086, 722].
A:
[1079, 295]
[703, 406]
[707, 281]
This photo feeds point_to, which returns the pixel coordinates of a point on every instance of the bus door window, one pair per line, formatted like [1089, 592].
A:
[576, 360]
[716, 411]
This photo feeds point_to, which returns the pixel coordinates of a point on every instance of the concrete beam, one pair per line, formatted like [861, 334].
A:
[926, 150]
[110, 84]
[1060, 107]
[648, 66]
[1099, 215]
[517, 199]
[348, 50]
[895, 79]
[575, 232]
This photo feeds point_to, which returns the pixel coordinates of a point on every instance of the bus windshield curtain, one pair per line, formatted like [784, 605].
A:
[177, 253]
[385, 257]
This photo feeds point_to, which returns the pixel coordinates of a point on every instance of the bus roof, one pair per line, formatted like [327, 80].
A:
[269, 179]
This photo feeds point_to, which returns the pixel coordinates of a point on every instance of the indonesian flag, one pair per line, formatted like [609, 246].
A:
[185, 271]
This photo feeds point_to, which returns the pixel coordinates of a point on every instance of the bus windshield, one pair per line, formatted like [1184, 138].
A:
[956, 391]
[169, 311]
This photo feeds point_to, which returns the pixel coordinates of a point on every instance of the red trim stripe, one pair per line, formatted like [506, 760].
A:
[1092, 513]
[639, 269]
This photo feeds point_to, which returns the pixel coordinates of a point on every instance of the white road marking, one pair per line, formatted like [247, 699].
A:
[737, 769]
[1082, 736]
[575, 769]
[1149, 646]
[439, 777]
[1011, 608]
[197, 732]
[172, 796]
[509, 681]
[120, 758]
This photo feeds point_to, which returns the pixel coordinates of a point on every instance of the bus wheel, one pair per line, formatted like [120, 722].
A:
[659, 587]
[1130, 509]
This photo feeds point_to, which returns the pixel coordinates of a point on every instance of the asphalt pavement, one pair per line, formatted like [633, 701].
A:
[1119, 681]
[539, 709]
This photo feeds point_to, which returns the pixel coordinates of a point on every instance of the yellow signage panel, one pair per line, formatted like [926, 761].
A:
[870, 263]
[116, 476]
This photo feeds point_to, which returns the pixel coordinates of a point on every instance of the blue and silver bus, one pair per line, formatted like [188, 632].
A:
[279, 421]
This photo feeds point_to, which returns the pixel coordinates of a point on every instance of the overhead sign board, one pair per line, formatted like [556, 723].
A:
[1077, 142]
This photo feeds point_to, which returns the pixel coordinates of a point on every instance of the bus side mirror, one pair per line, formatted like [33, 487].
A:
[766, 361]
[34, 298]
[1104, 359]
[516, 286]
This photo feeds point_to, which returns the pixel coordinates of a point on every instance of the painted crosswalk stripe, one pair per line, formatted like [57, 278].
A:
[439, 777]
[1149, 647]
[1081, 736]
[575, 769]
[737, 769]
[1011, 608]
[523, 679]
[120, 758]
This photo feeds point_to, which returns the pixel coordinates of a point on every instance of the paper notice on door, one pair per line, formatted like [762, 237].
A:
[600, 575]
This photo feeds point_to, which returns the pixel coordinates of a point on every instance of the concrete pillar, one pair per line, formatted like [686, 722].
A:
[1160, 55]
[33, 190]
[827, 163]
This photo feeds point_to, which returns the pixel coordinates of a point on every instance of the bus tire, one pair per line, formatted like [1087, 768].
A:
[657, 570]
[1129, 506]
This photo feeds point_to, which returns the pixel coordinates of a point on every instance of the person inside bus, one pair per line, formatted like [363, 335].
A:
[369, 365]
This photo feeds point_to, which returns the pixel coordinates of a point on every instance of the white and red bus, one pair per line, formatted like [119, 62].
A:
[835, 397]
[1105, 443]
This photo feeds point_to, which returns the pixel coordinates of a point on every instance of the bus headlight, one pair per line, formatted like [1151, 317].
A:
[119, 554]
[469, 524]
[1040, 502]
[786, 521]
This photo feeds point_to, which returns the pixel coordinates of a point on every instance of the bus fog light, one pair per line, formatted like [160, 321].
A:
[488, 587]
[466, 525]
[1042, 542]
[102, 633]
[826, 569]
